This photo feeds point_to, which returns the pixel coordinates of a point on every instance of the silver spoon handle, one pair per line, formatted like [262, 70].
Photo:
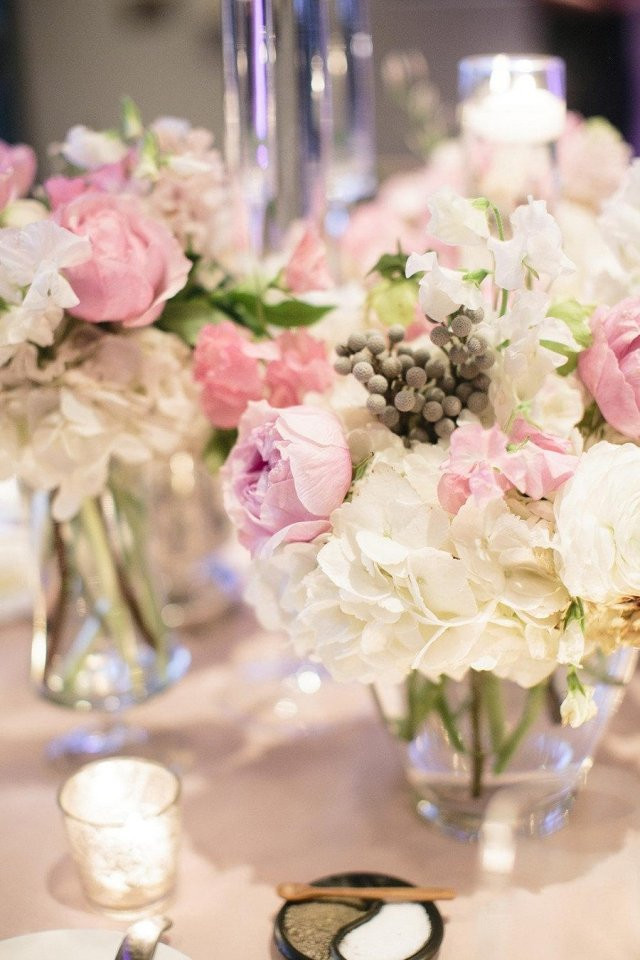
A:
[142, 938]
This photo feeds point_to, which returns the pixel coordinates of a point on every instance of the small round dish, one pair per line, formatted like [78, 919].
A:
[312, 930]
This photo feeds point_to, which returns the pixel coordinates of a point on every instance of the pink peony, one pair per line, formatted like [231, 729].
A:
[307, 268]
[135, 267]
[226, 363]
[610, 367]
[17, 172]
[484, 464]
[301, 366]
[288, 471]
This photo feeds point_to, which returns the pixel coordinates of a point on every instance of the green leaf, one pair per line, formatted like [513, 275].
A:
[576, 316]
[392, 266]
[186, 318]
[293, 313]
[565, 351]
[361, 468]
[218, 448]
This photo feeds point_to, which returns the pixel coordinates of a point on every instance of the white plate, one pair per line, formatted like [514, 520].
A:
[73, 945]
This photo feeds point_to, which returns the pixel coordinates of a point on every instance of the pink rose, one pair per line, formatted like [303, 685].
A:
[226, 363]
[610, 367]
[307, 268]
[484, 464]
[17, 172]
[286, 474]
[301, 366]
[136, 264]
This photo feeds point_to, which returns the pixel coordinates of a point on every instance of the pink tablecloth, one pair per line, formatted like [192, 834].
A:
[267, 800]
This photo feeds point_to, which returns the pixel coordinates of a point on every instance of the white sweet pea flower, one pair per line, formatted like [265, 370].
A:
[88, 149]
[455, 219]
[536, 245]
[597, 516]
[578, 706]
[442, 291]
[40, 250]
[524, 379]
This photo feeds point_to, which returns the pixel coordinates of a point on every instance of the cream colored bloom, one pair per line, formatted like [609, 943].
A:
[578, 706]
[598, 525]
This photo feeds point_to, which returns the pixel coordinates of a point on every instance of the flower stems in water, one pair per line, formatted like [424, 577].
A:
[477, 753]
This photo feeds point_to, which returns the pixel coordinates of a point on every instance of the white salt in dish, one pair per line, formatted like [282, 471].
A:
[396, 932]
[367, 929]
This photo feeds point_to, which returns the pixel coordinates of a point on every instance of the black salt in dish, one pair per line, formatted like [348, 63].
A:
[352, 929]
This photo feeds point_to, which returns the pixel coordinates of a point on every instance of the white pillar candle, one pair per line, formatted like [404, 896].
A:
[123, 822]
[512, 112]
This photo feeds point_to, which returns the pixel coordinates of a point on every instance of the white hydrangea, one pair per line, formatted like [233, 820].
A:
[598, 525]
[128, 397]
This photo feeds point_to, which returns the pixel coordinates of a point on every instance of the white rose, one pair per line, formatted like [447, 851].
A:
[598, 525]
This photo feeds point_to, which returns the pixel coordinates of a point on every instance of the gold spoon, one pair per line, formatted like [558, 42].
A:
[305, 891]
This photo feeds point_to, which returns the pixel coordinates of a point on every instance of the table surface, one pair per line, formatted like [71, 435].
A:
[282, 785]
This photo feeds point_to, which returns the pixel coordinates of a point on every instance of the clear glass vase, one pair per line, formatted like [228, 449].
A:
[100, 644]
[465, 741]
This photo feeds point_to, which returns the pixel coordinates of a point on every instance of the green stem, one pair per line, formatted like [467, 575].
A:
[492, 698]
[57, 618]
[477, 753]
[497, 216]
[536, 697]
[115, 613]
[142, 603]
[448, 719]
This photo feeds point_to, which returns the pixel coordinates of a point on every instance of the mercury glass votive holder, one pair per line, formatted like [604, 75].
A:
[512, 112]
[122, 818]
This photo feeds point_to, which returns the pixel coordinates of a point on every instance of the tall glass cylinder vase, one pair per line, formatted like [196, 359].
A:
[100, 644]
[352, 168]
[512, 112]
[277, 113]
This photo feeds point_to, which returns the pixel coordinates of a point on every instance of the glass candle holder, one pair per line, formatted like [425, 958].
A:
[122, 819]
[512, 112]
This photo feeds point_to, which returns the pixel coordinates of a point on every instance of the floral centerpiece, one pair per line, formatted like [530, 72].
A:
[108, 274]
[460, 512]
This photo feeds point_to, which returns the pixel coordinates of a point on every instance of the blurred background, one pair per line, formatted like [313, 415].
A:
[69, 61]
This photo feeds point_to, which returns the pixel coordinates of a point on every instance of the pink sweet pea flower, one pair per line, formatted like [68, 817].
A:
[302, 365]
[610, 367]
[109, 178]
[307, 268]
[136, 264]
[286, 474]
[540, 463]
[17, 172]
[226, 363]
[473, 467]
[484, 464]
